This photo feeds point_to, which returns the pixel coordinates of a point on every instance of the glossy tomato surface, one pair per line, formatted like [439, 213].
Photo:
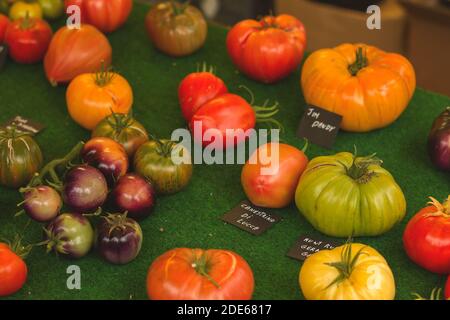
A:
[198, 88]
[195, 274]
[13, 271]
[427, 237]
[270, 176]
[267, 50]
[223, 121]
[106, 15]
[28, 39]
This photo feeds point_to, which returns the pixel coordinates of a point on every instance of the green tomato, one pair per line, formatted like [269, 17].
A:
[344, 195]
[153, 161]
[52, 9]
[20, 158]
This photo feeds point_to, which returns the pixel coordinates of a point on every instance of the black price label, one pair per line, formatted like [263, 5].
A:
[307, 245]
[251, 218]
[3, 55]
[319, 126]
[23, 124]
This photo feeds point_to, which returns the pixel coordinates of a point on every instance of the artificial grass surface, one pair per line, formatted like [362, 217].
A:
[191, 218]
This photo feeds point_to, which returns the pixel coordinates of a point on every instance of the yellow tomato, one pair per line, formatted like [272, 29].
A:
[350, 272]
[93, 96]
[20, 9]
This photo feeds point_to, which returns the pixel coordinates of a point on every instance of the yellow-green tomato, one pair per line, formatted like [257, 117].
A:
[343, 195]
[52, 9]
[20, 9]
[350, 272]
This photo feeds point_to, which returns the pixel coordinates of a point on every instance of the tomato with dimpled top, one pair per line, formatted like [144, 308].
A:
[427, 237]
[198, 88]
[4, 23]
[28, 39]
[196, 274]
[270, 176]
[106, 15]
[267, 50]
[13, 271]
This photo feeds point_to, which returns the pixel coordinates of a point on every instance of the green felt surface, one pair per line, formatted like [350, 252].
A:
[191, 218]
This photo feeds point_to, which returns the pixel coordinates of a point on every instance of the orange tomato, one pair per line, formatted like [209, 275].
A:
[370, 88]
[276, 187]
[195, 274]
[93, 96]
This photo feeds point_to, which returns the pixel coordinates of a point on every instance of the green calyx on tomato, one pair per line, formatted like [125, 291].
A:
[178, 8]
[202, 266]
[347, 263]
[360, 62]
[104, 76]
[359, 170]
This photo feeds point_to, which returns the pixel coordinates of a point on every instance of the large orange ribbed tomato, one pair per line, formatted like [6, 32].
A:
[195, 274]
[91, 97]
[370, 88]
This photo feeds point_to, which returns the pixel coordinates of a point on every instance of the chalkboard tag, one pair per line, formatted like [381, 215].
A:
[307, 245]
[251, 218]
[3, 55]
[319, 126]
[23, 124]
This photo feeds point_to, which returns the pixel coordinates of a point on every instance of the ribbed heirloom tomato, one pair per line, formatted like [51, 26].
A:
[370, 88]
[271, 174]
[106, 15]
[28, 39]
[13, 271]
[195, 274]
[198, 88]
[267, 50]
[427, 237]
[91, 97]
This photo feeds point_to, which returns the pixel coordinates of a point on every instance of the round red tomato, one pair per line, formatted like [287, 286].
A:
[222, 117]
[28, 39]
[427, 237]
[198, 88]
[195, 274]
[13, 271]
[106, 15]
[267, 50]
[270, 176]
[4, 22]
[447, 289]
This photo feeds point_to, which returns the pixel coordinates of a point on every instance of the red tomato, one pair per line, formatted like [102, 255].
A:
[427, 237]
[13, 271]
[195, 274]
[106, 15]
[220, 115]
[267, 50]
[198, 88]
[447, 289]
[4, 22]
[276, 187]
[28, 39]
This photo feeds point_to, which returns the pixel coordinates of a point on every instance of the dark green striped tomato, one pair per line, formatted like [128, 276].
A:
[123, 129]
[20, 158]
[344, 195]
[154, 161]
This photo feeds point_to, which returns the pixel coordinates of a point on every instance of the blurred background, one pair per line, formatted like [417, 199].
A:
[418, 29]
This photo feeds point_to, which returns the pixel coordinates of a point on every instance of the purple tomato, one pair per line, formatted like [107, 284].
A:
[42, 203]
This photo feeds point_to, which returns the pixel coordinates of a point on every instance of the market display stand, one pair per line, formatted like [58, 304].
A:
[191, 218]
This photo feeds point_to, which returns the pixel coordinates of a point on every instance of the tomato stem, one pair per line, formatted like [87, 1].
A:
[201, 266]
[359, 170]
[104, 75]
[442, 209]
[360, 62]
[178, 8]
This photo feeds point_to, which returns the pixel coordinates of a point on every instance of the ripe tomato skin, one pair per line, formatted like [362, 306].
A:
[89, 101]
[106, 15]
[4, 23]
[28, 40]
[177, 275]
[13, 271]
[198, 88]
[447, 289]
[267, 50]
[275, 190]
[228, 111]
[427, 240]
